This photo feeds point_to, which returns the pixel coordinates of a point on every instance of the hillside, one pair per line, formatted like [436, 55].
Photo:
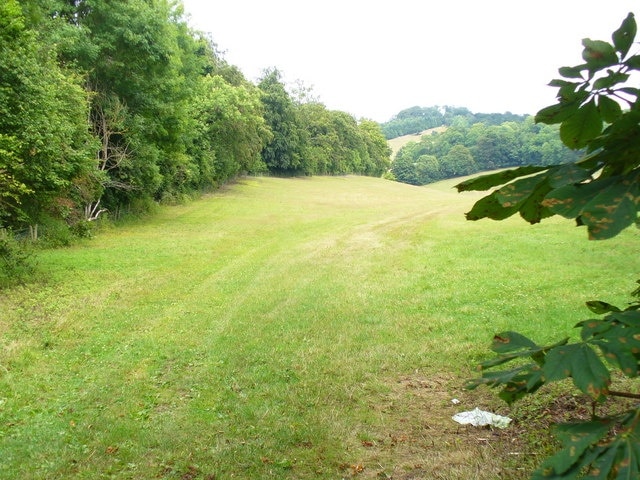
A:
[397, 143]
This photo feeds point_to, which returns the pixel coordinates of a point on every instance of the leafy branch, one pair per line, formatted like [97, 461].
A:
[599, 114]
[601, 191]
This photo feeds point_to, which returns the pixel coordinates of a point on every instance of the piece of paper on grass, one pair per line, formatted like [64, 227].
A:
[480, 418]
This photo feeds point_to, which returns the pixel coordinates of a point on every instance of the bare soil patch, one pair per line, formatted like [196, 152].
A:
[427, 444]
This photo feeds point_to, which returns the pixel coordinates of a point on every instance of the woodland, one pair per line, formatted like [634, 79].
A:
[112, 106]
[468, 143]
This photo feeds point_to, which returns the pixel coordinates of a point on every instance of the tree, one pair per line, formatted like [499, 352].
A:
[231, 119]
[283, 153]
[379, 152]
[597, 112]
[45, 142]
[459, 161]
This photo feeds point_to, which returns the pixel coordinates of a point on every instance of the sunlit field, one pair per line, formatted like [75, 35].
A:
[312, 328]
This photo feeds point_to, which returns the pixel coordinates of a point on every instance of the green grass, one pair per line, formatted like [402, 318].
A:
[283, 328]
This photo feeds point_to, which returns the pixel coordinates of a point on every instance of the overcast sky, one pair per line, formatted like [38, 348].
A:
[374, 58]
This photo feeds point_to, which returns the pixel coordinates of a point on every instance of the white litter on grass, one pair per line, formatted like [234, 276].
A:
[455, 401]
[480, 418]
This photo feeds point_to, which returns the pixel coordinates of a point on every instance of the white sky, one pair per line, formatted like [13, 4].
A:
[374, 58]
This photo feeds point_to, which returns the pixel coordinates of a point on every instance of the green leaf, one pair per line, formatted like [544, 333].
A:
[612, 210]
[532, 209]
[558, 82]
[581, 363]
[628, 317]
[618, 353]
[618, 336]
[598, 54]
[624, 36]
[592, 328]
[567, 174]
[610, 110]
[612, 79]
[572, 72]
[507, 342]
[490, 207]
[516, 382]
[556, 113]
[576, 439]
[633, 62]
[570, 200]
[584, 125]
[604, 449]
[517, 192]
[486, 182]
[601, 466]
[599, 307]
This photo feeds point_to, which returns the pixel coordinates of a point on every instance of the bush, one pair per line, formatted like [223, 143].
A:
[16, 260]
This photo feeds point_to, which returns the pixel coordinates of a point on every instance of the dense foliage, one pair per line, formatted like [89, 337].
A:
[597, 112]
[112, 105]
[465, 148]
[414, 120]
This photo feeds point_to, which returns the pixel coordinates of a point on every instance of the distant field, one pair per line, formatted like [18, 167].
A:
[397, 143]
[312, 328]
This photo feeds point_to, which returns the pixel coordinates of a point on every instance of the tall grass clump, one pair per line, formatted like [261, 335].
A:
[17, 263]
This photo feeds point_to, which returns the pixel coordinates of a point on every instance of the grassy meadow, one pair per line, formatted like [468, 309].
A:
[398, 142]
[312, 328]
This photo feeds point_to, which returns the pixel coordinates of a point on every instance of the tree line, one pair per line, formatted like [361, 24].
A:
[113, 105]
[465, 148]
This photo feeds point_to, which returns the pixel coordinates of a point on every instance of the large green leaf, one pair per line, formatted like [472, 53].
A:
[490, 207]
[618, 336]
[517, 192]
[610, 110]
[633, 63]
[485, 182]
[524, 195]
[572, 72]
[578, 440]
[557, 113]
[603, 449]
[507, 342]
[600, 307]
[598, 54]
[516, 383]
[584, 125]
[532, 209]
[613, 209]
[582, 364]
[620, 354]
[624, 36]
[580, 436]
[610, 80]
[570, 200]
[568, 174]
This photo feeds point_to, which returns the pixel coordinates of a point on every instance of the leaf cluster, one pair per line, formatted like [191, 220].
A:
[603, 446]
[596, 112]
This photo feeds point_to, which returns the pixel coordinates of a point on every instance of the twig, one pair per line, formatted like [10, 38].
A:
[624, 394]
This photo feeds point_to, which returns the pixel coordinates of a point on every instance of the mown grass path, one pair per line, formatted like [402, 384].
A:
[283, 328]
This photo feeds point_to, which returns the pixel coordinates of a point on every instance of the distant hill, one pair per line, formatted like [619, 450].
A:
[414, 120]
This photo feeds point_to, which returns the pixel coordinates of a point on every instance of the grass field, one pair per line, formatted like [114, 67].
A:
[398, 142]
[312, 328]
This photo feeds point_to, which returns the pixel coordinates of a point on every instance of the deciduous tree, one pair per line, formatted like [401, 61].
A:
[44, 140]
